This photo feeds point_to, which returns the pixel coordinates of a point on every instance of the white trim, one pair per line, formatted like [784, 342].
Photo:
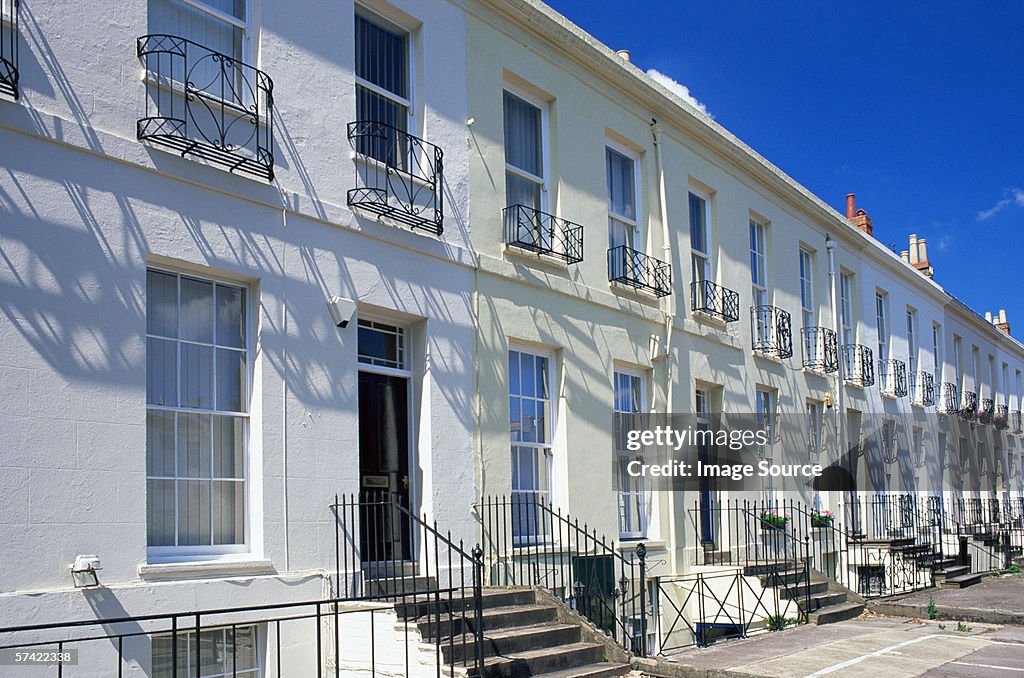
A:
[369, 14]
[634, 225]
[545, 145]
[709, 265]
[552, 419]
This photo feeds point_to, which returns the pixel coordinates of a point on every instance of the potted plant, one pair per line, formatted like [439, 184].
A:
[822, 518]
[772, 519]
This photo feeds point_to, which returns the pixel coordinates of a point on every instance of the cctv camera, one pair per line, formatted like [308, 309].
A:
[341, 310]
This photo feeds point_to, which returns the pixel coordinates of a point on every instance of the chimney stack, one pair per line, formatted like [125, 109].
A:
[859, 218]
[918, 253]
[1000, 321]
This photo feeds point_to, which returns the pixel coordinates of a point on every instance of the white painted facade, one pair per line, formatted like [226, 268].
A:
[86, 208]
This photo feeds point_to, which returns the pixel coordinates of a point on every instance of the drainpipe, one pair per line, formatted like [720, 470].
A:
[830, 245]
[669, 307]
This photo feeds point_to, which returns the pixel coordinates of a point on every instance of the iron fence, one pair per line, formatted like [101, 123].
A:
[968, 405]
[948, 401]
[535, 231]
[770, 330]
[207, 105]
[892, 377]
[714, 300]
[635, 269]
[858, 365]
[922, 389]
[820, 352]
[399, 177]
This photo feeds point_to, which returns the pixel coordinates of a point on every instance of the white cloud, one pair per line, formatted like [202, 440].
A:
[1013, 197]
[677, 88]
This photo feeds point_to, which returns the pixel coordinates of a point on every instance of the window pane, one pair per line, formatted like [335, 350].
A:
[523, 135]
[193, 445]
[196, 310]
[229, 512]
[697, 224]
[513, 372]
[528, 373]
[230, 316]
[380, 57]
[194, 512]
[230, 380]
[515, 417]
[380, 143]
[184, 20]
[245, 648]
[161, 372]
[160, 512]
[161, 304]
[542, 376]
[228, 451]
[160, 443]
[621, 185]
[520, 191]
[196, 376]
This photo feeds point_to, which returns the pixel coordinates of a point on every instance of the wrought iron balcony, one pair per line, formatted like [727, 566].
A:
[820, 349]
[922, 389]
[858, 365]
[1002, 417]
[207, 105]
[948, 402]
[534, 231]
[400, 177]
[714, 300]
[637, 270]
[892, 377]
[1015, 422]
[968, 405]
[9, 47]
[986, 411]
[770, 329]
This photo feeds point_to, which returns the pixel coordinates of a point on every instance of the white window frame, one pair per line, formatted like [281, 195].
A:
[806, 271]
[545, 450]
[543, 180]
[912, 346]
[242, 24]
[217, 552]
[847, 321]
[640, 491]
[890, 443]
[815, 443]
[764, 412]
[758, 237]
[882, 324]
[706, 271]
[937, 356]
[632, 224]
[370, 15]
[186, 637]
[958, 375]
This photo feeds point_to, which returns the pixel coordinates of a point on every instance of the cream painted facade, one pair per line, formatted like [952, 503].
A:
[592, 98]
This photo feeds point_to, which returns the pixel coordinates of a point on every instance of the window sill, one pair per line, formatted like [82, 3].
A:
[514, 251]
[816, 373]
[768, 357]
[629, 544]
[202, 569]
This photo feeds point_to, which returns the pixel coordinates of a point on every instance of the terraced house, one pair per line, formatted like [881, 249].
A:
[319, 320]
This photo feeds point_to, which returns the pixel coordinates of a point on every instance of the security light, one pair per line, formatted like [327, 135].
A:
[83, 571]
[341, 310]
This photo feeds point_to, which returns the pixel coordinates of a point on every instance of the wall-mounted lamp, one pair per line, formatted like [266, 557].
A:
[828, 400]
[341, 310]
[83, 571]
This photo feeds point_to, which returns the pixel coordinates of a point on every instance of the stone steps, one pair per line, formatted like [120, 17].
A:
[963, 580]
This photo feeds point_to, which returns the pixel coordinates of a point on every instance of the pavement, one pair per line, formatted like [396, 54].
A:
[996, 600]
[895, 647]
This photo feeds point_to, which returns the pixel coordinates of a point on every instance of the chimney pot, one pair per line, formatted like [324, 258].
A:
[922, 251]
[905, 256]
[1002, 315]
[851, 206]
[988, 316]
[913, 249]
[624, 54]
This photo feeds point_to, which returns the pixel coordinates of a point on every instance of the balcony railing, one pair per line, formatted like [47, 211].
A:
[530, 229]
[892, 378]
[1015, 422]
[637, 270]
[1002, 417]
[207, 105]
[948, 401]
[922, 389]
[714, 300]
[858, 365]
[986, 411]
[9, 47]
[771, 331]
[401, 177]
[820, 351]
[969, 405]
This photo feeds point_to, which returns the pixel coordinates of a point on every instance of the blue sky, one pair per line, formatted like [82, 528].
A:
[918, 108]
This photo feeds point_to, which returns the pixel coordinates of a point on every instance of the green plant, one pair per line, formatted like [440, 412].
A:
[1013, 569]
[933, 611]
[960, 626]
[777, 622]
[942, 627]
[774, 518]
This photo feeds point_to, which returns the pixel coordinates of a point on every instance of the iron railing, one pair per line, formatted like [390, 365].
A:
[922, 389]
[1002, 417]
[986, 411]
[771, 331]
[399, 177]
[309, 638]
[385, 551]
[968, 405]
[858, 365]
[207, 105]
[635, 269]
[820, 351]
[9, 47]
[949, 403]
[530, 229]
[714, 300]
[527, 542]
[892, 378]
[1015, 422]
